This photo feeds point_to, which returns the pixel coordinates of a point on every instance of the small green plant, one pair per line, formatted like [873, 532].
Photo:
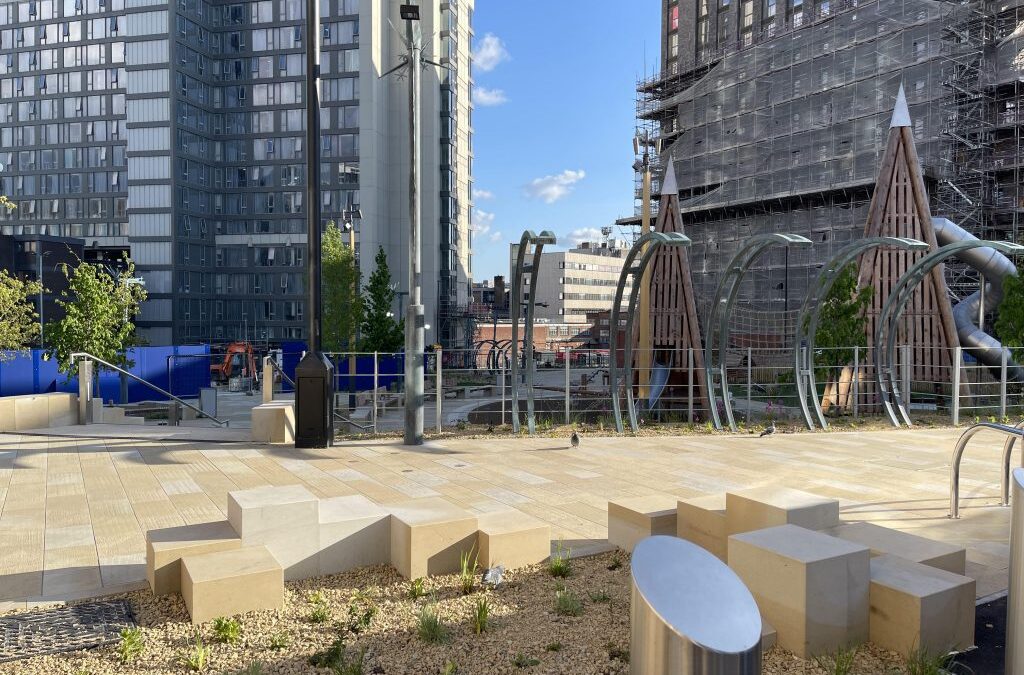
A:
[417, 588]
[227, 630]
[553, 647]
[196, 659]
[523, 661]
[430, 629]
[450, 668]
[616, 563]
[254, 668]
[839, 662]
[467, 570]
[921, 662]
[319, 609]
[131, 646]
[559, 566]
[279, 641]
[568, 603]
[462, 425]
[360, 613]
[617, 653]
[599, 596]
[336, 658]
[481, 612]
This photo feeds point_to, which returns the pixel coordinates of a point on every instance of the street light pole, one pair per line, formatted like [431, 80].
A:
[39, 279]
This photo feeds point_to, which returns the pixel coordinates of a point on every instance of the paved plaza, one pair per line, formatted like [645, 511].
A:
[75, 509]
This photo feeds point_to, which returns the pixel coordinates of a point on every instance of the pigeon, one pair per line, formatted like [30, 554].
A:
[493, 576]
[769, 430]
[574, 440]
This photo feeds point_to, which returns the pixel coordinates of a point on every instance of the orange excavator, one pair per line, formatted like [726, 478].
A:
[238, 361]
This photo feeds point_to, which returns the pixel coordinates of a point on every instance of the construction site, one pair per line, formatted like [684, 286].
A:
[776, 119]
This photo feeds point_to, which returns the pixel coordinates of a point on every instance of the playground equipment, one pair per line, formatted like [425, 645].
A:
[807, 320]
[647, 245]
[527, 241]
[721, 311]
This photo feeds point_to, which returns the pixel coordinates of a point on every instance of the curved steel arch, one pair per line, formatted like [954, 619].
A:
[810, 313]
[537, 242]
[721, 312]
[648, 244]
[885, 335]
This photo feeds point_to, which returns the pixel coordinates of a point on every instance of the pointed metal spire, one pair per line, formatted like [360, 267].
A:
[669, 186]
[900, 112]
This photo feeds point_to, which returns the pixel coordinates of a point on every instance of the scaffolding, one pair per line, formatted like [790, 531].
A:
[785, 135]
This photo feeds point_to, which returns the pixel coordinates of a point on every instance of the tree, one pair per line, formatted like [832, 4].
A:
[842, 321]
[381, 332]
[342, 303]
[19, 322]
[6, 203]
[99, 313]
[1010, 320]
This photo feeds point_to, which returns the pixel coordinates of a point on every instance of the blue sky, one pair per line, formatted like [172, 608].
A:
[554, 117]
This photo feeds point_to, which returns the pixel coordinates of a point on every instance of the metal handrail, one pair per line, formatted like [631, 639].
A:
[958, 453]
[280, 370]
[79, 356]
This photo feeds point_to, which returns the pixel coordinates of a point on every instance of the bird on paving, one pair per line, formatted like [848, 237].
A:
[574, 440]
[769, 431]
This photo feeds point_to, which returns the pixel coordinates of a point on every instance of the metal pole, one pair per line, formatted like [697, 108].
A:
[568, 381]
[1015, 595]
[689, 385]
[1002, 384]
[414, 338]
[906, 376]
[376, 378]
[750, 356]
[313, 172]
[856, 381]
[644, 337]
[440, 392]
[501, 379]
[352, 363]
[39, 279]
[957, 357]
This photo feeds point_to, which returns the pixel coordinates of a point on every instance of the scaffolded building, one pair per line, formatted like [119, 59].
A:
[776, 114]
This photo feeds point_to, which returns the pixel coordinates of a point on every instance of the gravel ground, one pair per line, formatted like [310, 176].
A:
[523, 623]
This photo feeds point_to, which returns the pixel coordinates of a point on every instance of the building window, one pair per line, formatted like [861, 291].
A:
[673, 18]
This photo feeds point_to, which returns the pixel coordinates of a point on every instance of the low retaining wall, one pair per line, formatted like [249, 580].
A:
[38, 411]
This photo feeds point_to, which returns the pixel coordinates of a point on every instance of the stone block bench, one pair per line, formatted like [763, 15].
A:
[512, 539]
[354, 532]
[882, 541]
[812, 587]
[635, 518]
[231, 582]
[166, 547]
[763, 507]
[701, 520]
[428, 536]
[284, 519]
[273, 422]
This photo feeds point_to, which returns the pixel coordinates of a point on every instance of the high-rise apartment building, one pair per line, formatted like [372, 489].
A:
[776, 112]
[174, 131]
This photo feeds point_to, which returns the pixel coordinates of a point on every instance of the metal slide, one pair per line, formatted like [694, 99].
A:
[995, 267]
[659, 378]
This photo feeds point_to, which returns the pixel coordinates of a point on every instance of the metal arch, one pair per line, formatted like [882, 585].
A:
[648, 244]
[892, 310]
[810, 313]
[721, 312]
[537, 242]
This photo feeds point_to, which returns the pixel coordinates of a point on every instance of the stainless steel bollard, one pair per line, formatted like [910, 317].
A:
[690, 614]
[1015, 597]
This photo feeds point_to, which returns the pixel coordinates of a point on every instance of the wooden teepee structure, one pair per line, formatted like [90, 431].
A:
[675, 329]
[899, 208]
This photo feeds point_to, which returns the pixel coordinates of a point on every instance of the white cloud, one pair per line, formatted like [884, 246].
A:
[489, 52]
[481, 194]
[552, 188]
[482, 221]
[583, 234]
[495, 237]
[484, 97]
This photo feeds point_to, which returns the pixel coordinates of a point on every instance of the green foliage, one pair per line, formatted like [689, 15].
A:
[279, 641]
[467, 570]
[553, 647]
[450, 668]
[1010, 319]
[617, 653]
[337, 659]
[839, 662]
[99, 313]
[616, 563]
[600, 595]
[481, 613]
[342, 302]
[7, 204]
[380, 330]
[319, 609]
[417, 588]
[360, 613]
[131, 646]
[254, 668]
[430, 629]
[523, 661]
[196, 659]
[227, 630]
[559, 565]
[19, 322]
[921, 662]
[568, 603]
[841, 322]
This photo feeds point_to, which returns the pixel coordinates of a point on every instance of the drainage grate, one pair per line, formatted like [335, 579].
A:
[63, 629]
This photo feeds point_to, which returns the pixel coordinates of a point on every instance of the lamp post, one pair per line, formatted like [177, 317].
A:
[39, 278]
[349, 216]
